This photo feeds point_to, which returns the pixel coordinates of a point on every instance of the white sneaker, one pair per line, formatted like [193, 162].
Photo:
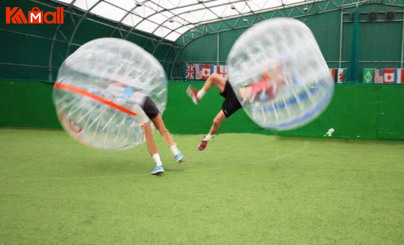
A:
[191, 92]
[157, 170]
[179, 158]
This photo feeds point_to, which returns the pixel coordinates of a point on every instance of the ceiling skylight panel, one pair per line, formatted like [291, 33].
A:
[151, 4]
[108, 11]
[167, 4]
[185, 2]
[203, 15]
[173, 36]
[291, 1]
[161, 31]
[132, 20]
[188, 16]
[178, 20]
[85, 4]
[216, 3]
[66, 1]
[187, 9]
[147, 26]
[172, 24]
[272, 4]
[165, 17]
[143, 11]
[160, 17]
[219, 11]
[125, 4]
[241, 7]
[256, 5]
[185, 28]
[155, 6]
[224, 10]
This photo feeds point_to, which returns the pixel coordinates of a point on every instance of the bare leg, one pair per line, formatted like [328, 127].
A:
[151, 144]
[152, 148]
[214, 79]
[220, 82]
[217, 80]
[217, 121]
[159, 124]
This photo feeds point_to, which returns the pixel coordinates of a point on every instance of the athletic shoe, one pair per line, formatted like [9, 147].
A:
[179, 158]
[157, 170]
[202, 145]
[191, 92]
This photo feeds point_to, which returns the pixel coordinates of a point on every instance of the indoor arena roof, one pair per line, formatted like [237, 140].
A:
[169, 19]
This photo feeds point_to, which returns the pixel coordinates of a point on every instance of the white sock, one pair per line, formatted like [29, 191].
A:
[174, 150]
[208, 137]
[200, 93]
[156, 158]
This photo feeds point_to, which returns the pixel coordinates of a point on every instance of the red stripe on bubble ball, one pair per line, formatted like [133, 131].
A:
[76, 90]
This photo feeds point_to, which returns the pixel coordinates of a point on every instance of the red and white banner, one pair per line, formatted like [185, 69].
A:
[190, 72]
[379, 76]
[399, 76]
[389, 76]
[198, 71]
[341, 77]
[222, 70]
[203, 71]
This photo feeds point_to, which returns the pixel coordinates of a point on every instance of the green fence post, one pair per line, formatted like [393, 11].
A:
[355, 49]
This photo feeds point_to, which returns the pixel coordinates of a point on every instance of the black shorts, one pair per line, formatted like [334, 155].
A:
[230, 104]
[150, 108]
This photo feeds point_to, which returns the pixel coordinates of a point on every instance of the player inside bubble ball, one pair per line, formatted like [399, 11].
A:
[262, 90]
[146, 111]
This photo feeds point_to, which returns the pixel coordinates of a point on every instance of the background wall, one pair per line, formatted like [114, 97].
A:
[356, 111]
[28, 52]
[379, 44]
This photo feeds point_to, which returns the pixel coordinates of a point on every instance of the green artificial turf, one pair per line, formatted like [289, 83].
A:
[244, 189]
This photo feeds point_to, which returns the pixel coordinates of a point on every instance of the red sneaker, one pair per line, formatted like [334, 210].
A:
[191, 92]
[202, 145]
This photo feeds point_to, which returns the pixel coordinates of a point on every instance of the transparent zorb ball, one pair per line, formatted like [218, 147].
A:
[100, 89]
[279, 74]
